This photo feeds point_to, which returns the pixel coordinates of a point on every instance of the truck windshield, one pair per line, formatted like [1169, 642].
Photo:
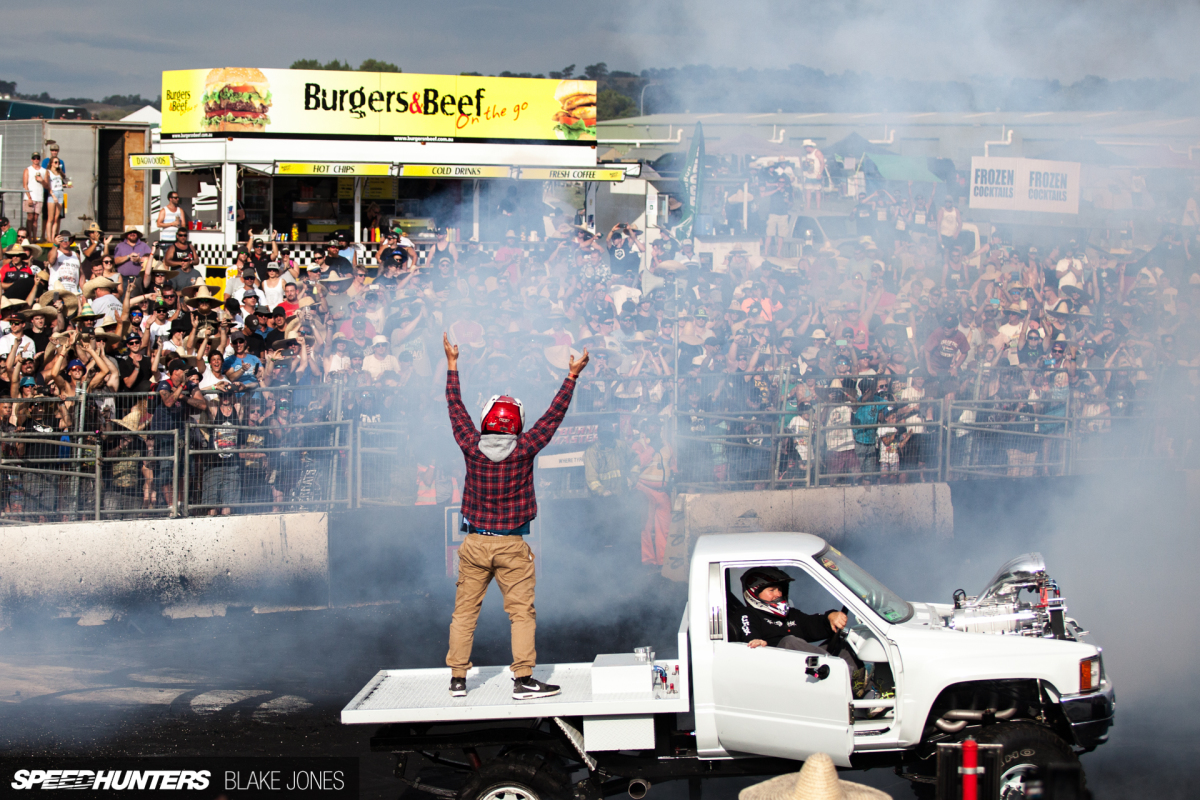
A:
[882, 600]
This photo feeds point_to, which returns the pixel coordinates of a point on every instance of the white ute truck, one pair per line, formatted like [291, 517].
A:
[1007, 667]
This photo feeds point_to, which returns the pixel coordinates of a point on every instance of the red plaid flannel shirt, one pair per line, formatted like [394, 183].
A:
[498, 495]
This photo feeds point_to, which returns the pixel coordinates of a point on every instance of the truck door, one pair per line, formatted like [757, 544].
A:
[764, 701]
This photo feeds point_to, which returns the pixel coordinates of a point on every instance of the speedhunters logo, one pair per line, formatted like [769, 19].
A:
[114, 779]
[202, 778]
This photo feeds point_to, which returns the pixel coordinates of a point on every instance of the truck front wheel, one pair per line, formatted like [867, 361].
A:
[524, 777]
[1027, 747]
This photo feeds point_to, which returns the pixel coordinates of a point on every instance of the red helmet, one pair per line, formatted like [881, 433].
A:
[503, 414]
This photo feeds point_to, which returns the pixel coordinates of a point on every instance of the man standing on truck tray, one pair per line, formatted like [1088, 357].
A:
[768, 620]
[498, 504]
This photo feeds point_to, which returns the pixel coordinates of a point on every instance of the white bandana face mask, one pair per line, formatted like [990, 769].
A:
[497, 446]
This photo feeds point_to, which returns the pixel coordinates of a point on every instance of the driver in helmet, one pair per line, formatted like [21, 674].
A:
[767, 619]
[498, 504]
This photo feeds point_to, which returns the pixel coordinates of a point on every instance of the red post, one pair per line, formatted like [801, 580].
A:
[970, 770]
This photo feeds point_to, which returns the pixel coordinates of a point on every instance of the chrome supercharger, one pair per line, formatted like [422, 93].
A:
[1001, 609]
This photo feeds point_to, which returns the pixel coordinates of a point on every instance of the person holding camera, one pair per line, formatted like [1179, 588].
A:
[624, 249]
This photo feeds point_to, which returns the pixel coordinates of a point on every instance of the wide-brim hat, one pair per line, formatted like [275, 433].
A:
[816, 780]
[86, 313]
[92, 226]
[336, 278]
[9, 306]
[40, 310]
[136, 419]
[671, 265]
[204, 293]
[167, 273]
[89, 288]
[132, 229]
[1083, 311]
[1062, 308]
[34, 251]
[560, 355]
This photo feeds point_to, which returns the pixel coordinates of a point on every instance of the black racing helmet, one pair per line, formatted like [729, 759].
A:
[759, 578]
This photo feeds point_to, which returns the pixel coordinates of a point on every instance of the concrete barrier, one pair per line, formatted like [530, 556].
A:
[185, 567]
[834, 513]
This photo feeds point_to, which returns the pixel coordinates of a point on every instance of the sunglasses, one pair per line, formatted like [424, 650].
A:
[106, 261]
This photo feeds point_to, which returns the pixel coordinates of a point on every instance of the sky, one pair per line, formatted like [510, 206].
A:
[121, 47]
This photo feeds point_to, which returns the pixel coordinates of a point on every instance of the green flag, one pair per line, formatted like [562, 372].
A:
[692, 179]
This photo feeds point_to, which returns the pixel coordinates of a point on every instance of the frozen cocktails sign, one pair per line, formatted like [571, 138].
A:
[1025, 184]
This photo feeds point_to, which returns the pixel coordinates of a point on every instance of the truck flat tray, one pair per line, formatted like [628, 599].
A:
[422, 695]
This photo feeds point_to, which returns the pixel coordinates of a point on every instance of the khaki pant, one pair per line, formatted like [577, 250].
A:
[510, 561]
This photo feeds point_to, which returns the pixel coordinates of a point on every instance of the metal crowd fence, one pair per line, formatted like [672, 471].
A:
[66, 476]
[294, 467]
[332, 453]
[834, 443]
[1014, 439]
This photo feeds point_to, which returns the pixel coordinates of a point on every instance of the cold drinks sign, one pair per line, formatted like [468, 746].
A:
[1025, 184]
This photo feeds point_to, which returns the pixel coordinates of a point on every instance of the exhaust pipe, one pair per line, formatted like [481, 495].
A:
[956, 719]
[638, 788]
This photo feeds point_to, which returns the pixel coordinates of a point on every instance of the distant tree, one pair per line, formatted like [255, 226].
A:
[596, 72]
[374, 65]
[472, 74]
[8, 87]
[123, 100]
[507, 74]
[81, 101]
[611, 104]
[312, 63]
[564, 74]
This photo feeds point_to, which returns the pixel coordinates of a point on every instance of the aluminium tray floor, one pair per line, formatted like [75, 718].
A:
[422, 695]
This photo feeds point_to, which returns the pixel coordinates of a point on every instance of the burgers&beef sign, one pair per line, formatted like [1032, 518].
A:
[285, 103]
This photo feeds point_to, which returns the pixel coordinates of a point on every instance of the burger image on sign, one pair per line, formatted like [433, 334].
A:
[577, 119]
[236, 99]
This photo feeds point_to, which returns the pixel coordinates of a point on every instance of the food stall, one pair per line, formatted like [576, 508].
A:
[297, 155]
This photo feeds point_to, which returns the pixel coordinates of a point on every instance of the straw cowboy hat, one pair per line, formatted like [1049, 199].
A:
[1062, 308]
[560, 355]
[816, 780]
[92, 226]
[336, 278]
[136, 419]
[70, 301]
[9, 306]
[34, 251]
[204, 293]
[89, 288]
[159, 269]
[104, 328]
[40, 310]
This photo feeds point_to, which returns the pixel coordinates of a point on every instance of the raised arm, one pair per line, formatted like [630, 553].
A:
[460, 421]
[543, 431]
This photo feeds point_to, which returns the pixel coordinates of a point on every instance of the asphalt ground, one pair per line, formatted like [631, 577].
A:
[248, 684]
[273, 685]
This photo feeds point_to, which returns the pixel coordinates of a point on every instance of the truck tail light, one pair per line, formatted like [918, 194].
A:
[1089, 674]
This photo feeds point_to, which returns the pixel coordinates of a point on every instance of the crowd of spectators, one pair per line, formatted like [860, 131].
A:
[716, 356]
